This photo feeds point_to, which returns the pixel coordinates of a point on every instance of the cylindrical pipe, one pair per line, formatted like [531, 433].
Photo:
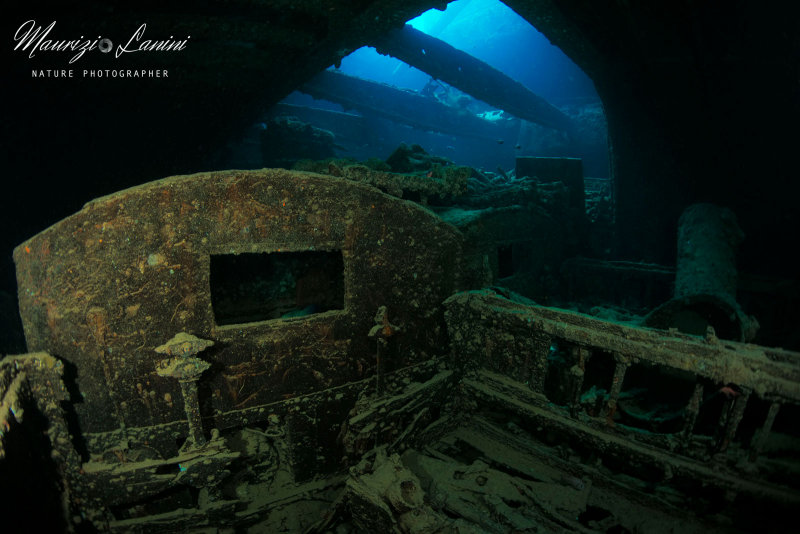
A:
[708, 237]
[705, 279]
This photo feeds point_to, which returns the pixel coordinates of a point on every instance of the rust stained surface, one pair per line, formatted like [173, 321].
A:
[106, 286]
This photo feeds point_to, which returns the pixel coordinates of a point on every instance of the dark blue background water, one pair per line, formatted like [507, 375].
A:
[492, 32]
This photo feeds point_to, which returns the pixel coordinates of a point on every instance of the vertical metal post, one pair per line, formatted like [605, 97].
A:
[578, 372]
[541, 342]
[620, 369]
[692, 410]
[381, 332]
[186, 367]
[380, 357]
[735, 415]
[765, 430]
[191, 406]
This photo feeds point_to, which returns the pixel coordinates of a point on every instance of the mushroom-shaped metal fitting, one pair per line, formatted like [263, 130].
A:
[186, 368]
[184, 344]
[182, 368]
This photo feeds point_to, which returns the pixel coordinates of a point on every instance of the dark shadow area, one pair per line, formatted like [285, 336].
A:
[29, 485]
[70, 380]
[247, 288]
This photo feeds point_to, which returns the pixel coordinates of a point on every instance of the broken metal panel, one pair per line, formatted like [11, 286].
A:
[108, 285]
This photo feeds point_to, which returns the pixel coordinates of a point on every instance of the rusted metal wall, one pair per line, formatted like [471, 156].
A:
[105, 286]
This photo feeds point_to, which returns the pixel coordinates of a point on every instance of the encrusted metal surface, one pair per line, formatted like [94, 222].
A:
[498, 345]
[107, 286]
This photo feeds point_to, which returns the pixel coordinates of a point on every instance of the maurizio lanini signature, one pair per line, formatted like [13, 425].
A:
[32, 39]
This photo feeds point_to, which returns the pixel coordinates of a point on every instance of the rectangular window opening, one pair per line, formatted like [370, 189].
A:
[505, 261]
[248, 287]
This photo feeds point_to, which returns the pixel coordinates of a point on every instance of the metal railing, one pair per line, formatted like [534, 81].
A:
[490, 332]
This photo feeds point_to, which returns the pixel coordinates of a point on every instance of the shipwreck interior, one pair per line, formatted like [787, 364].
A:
[339, 271]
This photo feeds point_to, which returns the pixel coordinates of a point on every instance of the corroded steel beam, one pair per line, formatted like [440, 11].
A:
[471, 75]
[374, 99]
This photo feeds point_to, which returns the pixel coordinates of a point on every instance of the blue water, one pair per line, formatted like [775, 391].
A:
[490, 31]
[493, 33]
